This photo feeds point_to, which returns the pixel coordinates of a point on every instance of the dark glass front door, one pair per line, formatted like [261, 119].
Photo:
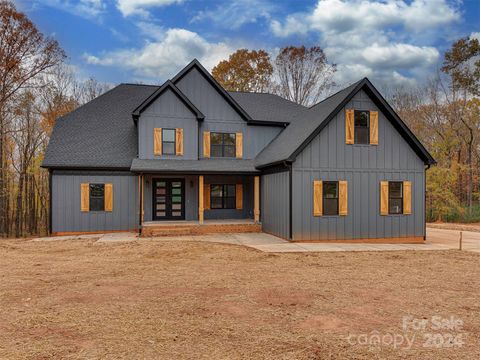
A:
[168, 199]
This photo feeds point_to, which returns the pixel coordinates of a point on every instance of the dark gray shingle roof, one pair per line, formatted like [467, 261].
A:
[99, 134]
[194, 166]
[304, 124]
[268, 107]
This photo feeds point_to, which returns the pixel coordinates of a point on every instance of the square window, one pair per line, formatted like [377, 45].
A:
[222, 196]
[362, 127]
[222, 144]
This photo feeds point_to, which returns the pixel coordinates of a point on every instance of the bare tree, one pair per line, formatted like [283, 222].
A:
[303, 74]
[24, 54]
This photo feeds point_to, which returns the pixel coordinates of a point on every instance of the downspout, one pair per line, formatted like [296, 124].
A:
[425, 202]
[290, 201]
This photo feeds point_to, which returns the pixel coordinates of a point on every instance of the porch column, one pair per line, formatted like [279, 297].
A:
[256, 202]
[200, 199]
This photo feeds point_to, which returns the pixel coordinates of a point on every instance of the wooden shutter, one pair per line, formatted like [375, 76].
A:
[239, 145]
[383, 197]
[317, 198]
[206, 144]
[407, 197]
[108, 200]
[349, 126]
[342, 198]
[85, 197]
[374, 127]
[206, 196]
[239, 196]
[157, 141]
[179, 141]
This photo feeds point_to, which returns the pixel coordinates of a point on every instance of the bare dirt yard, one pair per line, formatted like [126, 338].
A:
[189, 300]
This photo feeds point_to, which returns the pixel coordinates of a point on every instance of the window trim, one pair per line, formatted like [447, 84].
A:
[337, 197]
[174, 142]
[222, 145]
[397, 198]
[90, 197]
[223, 197]
[355, 127]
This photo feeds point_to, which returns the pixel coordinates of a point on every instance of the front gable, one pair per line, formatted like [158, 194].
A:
[330, 150]
[203, 90]
[167, 111]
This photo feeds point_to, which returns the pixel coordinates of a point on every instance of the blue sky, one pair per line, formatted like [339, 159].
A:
[394, 42]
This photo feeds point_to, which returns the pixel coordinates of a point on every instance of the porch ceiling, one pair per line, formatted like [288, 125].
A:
[202, 166]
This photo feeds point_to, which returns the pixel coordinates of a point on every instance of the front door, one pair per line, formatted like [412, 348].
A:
[168, 199]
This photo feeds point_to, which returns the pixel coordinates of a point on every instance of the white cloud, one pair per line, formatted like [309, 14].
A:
[84, 8]
[138, 7]
[236, 13]
[475, 35]
[162, 58]
[379, 39]
[340, 16]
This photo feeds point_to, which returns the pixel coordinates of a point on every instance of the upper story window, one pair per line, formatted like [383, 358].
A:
[168, 142]
[395, 197]
[222, 144]
[362, 127]
[97, 197]
[330, 198]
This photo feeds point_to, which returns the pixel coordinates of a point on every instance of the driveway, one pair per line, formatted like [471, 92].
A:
[450, 238]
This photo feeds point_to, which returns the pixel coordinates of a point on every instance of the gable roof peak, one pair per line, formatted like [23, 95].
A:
[204, 72]
[176, 91]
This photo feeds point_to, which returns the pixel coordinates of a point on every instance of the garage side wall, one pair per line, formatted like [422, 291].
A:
[66, 214]
[275, 207]
[328, 158]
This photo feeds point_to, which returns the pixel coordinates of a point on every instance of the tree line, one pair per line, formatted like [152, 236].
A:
[37, 86]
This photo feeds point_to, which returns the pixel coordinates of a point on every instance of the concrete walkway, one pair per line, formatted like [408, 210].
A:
[272, 244]
[437, 239]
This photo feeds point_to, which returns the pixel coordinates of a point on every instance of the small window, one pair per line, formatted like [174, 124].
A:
[168, 141]
[362, 127]
[330, 198]
[222, 196]
[222, 144]
[97, 197]
[395, 197]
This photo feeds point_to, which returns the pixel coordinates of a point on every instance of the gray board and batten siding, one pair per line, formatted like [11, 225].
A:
[275, 207]
[66, 214]
[327, 157]
[222, 117]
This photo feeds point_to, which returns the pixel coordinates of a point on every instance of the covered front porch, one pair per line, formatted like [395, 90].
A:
[185, 204]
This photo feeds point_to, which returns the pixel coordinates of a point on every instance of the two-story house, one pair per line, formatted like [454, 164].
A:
[190, 152]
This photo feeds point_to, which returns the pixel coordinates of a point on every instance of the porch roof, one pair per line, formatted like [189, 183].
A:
[202, 166]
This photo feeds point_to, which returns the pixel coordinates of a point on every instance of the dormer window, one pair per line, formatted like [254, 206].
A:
[168, 141]
[362, 127]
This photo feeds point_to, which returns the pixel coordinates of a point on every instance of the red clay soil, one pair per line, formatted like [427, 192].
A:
[185, 300]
